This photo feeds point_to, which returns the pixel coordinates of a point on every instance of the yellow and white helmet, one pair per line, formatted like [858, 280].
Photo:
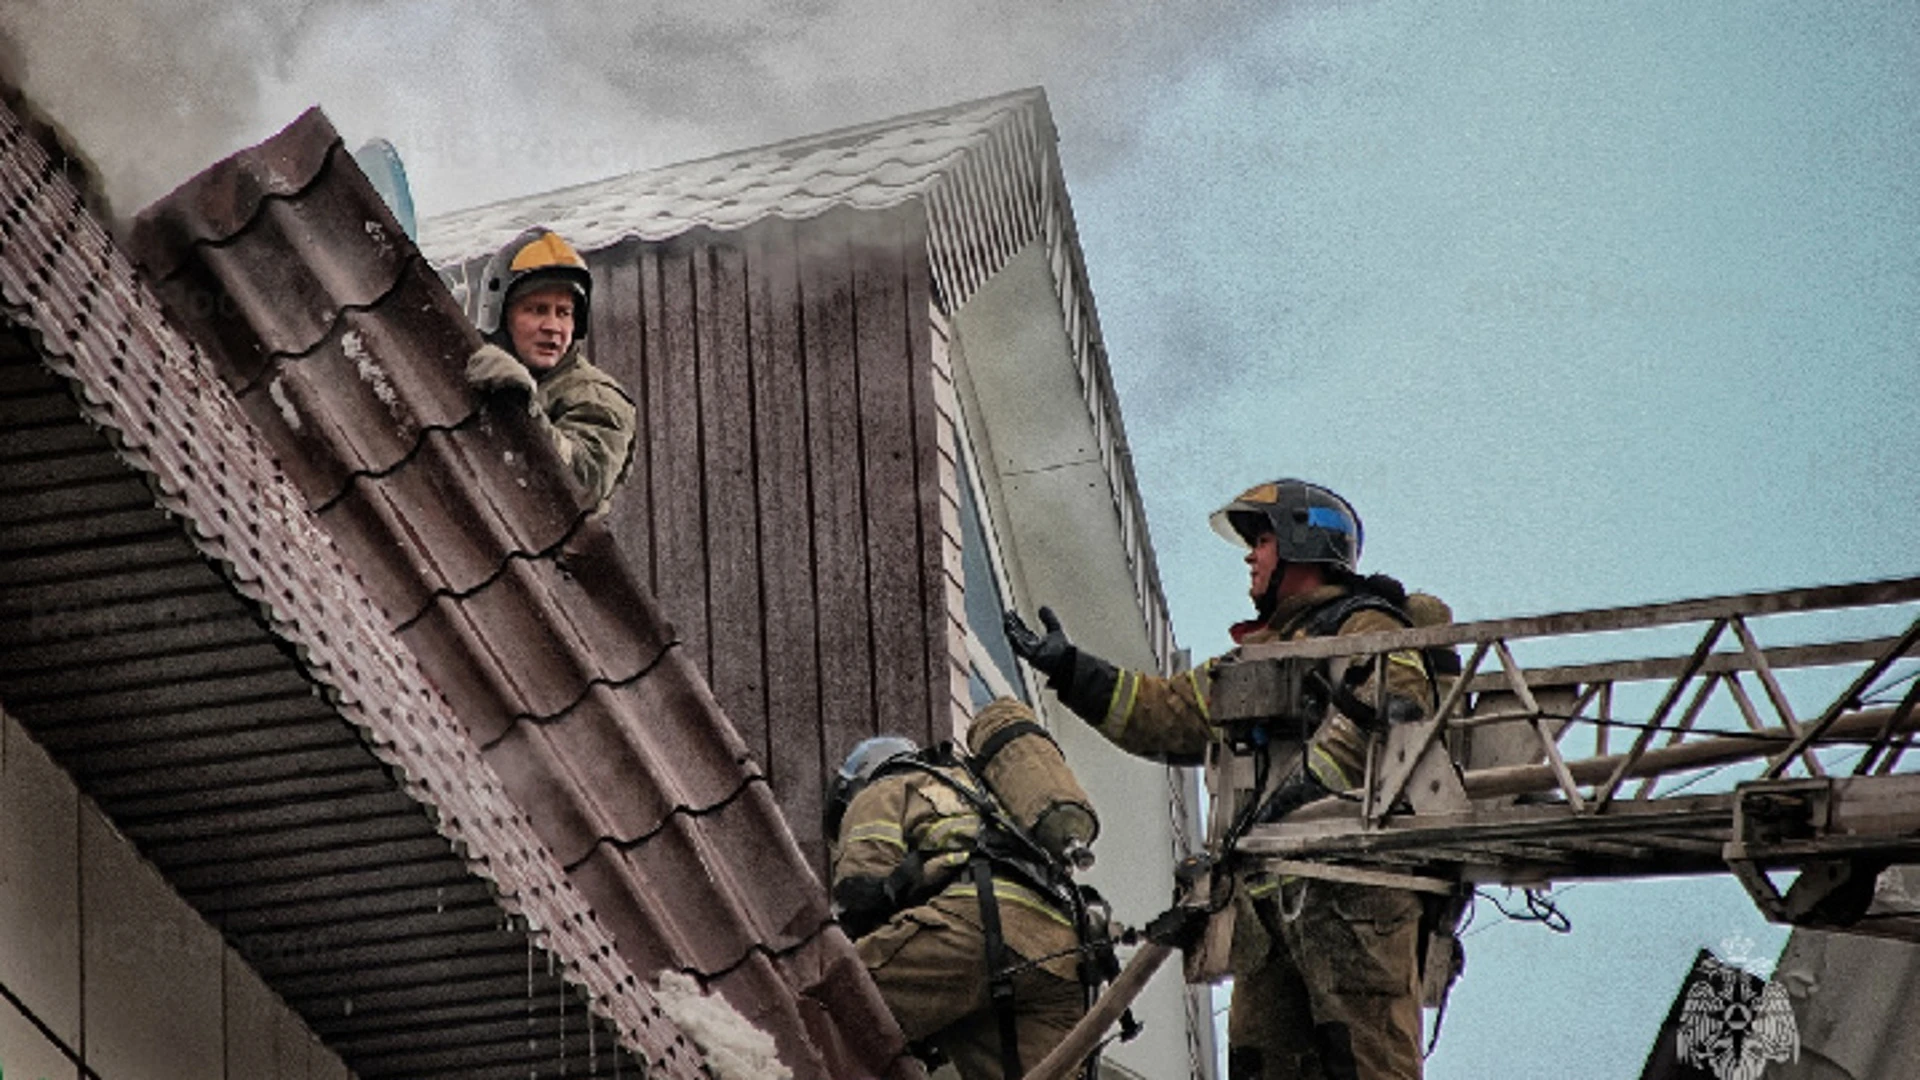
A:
[536, 256]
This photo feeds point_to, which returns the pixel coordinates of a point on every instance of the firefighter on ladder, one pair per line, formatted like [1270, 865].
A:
[961, 906]
[1326, 974]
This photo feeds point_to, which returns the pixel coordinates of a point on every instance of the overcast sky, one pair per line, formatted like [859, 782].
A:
[1581, 304]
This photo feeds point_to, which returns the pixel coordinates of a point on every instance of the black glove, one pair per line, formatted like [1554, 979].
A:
[1084, 682]
[1051, 655]
[1180, 926]
[864, 903]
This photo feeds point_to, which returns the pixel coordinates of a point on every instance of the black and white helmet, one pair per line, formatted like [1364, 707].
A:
[1310, 523]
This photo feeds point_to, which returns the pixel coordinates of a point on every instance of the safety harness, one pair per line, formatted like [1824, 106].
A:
[1438, 914]
[1003, 849]
[1375, 593]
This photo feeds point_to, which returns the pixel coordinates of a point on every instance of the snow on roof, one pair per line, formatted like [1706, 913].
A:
[869, 166]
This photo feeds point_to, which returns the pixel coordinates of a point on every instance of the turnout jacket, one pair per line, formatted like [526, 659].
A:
[1308, 957]
[1168, 717]
[591, 421]
[908, 812]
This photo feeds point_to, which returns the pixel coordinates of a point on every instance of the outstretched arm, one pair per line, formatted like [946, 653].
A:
[1142, 713]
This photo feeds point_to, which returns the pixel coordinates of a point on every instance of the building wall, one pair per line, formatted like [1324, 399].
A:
[97, 948]
[784, 497]
[1062, 541]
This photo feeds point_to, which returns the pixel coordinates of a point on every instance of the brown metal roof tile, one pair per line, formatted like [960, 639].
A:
[285, 306]
[90, 319]
[825, 973]
[822, 981]
[384, 371]
[619, 793]
[528, 643]
[724, 906]
[560, 813]
[224, 204]
[409, 554]
[555, 660]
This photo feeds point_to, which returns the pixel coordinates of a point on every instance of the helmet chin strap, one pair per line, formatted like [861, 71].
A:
[1269, 599]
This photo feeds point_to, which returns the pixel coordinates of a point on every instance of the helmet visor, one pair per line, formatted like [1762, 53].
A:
[1241, 521]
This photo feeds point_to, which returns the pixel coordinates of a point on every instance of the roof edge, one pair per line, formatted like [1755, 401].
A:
[815, 139]
[1012, 192]
[192, 439]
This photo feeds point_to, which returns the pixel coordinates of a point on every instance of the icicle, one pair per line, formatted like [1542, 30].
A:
[533, 1071]
[563, 1019]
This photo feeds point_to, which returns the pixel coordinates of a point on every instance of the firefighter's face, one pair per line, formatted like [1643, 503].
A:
[1263, 561]
[540, 323]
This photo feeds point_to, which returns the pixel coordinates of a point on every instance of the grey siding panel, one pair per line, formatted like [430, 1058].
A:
[673, 425]
[617, 303]
[796, 748]
[917, 280]
[839, 517]
[897, 586]
[788, 501]
[727, 418]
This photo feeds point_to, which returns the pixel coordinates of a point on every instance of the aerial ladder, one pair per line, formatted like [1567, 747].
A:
[1762, 735]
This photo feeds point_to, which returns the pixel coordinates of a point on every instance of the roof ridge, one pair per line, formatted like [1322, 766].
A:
[862, 165]
[822, 138]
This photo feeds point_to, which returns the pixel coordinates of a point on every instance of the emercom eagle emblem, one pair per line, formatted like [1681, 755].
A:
[1733, 1024]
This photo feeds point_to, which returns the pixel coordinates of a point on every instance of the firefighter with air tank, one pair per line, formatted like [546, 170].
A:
[952, 872]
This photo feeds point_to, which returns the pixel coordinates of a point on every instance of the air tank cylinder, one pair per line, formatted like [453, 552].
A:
[1023, 765]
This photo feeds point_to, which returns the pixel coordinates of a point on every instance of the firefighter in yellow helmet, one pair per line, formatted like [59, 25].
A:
[536, 295]
[1326, 974]
[962, 908]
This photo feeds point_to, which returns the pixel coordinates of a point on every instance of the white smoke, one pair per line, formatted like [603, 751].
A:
[489, 100]
[150, 93]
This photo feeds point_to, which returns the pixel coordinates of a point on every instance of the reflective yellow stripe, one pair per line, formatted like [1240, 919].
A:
[941, 834]
[1125, 690]
[1326, 769]
[1259, 885]
[948, 860]
[879, 832]
[1201, 693]
[1008, 892]
[1410, 659]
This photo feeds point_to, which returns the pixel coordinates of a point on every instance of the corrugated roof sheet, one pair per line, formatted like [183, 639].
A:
[331, 816]
[870, 166]
[340, 344]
